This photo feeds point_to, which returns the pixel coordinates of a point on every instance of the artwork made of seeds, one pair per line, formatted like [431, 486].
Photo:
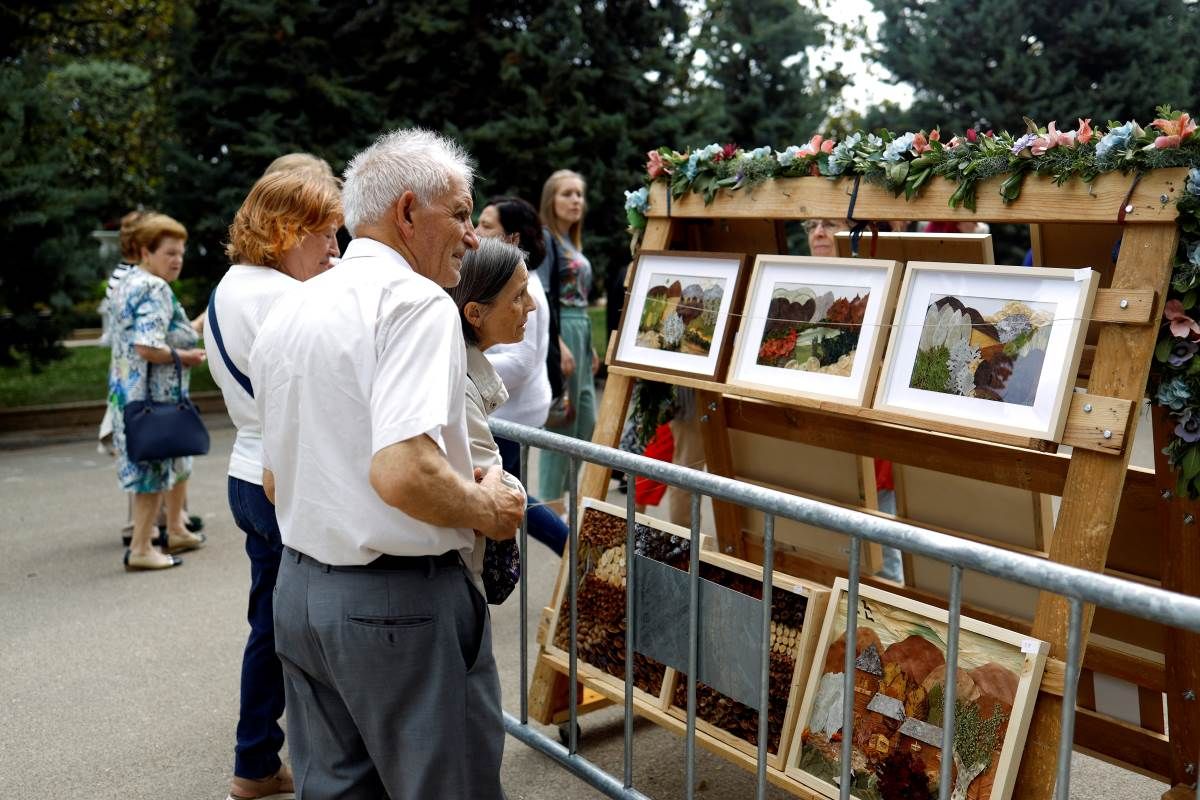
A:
[601, 597]
[788, 611]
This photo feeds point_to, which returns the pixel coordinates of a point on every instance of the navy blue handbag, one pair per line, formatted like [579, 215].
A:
[159, 431]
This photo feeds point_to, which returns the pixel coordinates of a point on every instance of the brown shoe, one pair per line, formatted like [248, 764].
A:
[275, 787]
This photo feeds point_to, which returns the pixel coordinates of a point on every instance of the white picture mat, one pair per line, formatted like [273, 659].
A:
[1069, 290]
[628, 349]
[768, 273]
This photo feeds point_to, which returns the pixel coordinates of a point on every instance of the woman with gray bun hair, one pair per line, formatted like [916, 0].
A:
[493, 302]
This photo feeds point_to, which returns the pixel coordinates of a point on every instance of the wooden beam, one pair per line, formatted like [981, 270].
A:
[1118, 742]
[719, 458]
[609, 421]
[1041, 201]
[1129, 307]
[1181, 573]
[1097, 423]
[1094, 482]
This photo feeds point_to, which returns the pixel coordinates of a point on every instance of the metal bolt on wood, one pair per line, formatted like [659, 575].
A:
[712, 406]
[1107, 434]
[1166, 494]
[1087, 408]
[1189, 768]
[1129, 208]
[1189, 694]
[1162, 198]
[1188, 519]
[1124, 303]
[704, 418]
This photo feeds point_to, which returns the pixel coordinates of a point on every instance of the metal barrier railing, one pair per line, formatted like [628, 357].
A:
[1077, 585]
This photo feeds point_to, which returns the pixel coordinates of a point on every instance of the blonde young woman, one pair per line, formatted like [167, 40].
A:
[562, 210]
[149, 331]
[284, 233]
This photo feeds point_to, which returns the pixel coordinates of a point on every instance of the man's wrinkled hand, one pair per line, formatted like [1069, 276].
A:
[507, 499]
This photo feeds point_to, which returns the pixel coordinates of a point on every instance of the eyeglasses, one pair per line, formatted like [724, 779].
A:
[832, 225]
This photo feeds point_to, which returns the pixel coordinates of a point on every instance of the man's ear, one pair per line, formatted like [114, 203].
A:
[403, 211]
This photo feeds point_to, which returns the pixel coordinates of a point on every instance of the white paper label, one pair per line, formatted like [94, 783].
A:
[1030, 645]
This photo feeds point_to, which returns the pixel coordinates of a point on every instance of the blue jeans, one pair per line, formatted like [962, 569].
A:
[544, 524]
[259, 736]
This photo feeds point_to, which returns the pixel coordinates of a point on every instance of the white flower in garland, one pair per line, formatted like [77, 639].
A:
[899, 146]
[787, 156]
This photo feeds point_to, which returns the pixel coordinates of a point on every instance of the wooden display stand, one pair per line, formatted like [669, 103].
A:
[1103, 499]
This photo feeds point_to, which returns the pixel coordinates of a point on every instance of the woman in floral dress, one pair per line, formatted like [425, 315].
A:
[150, 328]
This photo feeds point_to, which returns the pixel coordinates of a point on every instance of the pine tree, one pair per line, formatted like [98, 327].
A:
[45, 216]
[990, 62]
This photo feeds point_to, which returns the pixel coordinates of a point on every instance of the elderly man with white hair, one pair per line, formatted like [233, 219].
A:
[385, 641]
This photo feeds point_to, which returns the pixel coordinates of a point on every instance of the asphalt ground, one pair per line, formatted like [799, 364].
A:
[118, 685]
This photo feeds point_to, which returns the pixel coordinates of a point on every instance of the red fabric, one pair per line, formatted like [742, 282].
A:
[940, 227]
[883, 476]
[661, 446]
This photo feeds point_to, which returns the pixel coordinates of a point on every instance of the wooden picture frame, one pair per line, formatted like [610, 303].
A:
[897, 697]
[602, 538]
[963, 248]
[673, 298]
[1030, 347]
[787, 642]
[834, 291]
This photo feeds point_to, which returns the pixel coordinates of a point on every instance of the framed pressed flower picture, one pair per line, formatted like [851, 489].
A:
[990, 347]
[678, 317]
[898, 693]
[814, 327]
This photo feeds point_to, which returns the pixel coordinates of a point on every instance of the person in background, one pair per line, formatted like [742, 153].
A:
[965, 226]
[820, 233]
[523, 365]
[360, 383]
[151, 330]
[284, 233]
[562, 210]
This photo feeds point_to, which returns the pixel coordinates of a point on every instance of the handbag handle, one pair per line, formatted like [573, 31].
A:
[178, 375]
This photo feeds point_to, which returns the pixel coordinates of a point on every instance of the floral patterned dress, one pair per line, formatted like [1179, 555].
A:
[144, 311]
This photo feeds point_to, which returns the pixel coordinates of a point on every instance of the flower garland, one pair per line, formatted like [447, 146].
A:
[903, 163]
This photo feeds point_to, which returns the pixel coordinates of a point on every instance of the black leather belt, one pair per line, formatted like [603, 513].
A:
[385, 563]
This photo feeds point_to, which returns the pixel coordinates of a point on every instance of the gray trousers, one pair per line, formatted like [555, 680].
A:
[392, 690]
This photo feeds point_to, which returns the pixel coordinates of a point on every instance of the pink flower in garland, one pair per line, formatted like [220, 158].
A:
[817, 144]
[1084, 134]
[1053, 138]
[1175, 131]
[920, 144]
[935, 135]
[1180, 323]
[655, 166]
[954, 142]
[972, 135]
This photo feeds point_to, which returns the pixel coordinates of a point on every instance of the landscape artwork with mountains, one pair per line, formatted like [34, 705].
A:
[680, 313]
[899, 687]
[813, 328]
[985, 348]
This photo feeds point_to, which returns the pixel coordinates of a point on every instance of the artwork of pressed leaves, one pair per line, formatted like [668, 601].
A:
[985, 348]
[601, 598]
[788, 610]
[813, 328]
[680, 313]
[899, 686]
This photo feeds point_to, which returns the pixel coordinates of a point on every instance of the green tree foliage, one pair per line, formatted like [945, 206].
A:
[45, 216]
[991, 62]
[254, 80]
[754, 85]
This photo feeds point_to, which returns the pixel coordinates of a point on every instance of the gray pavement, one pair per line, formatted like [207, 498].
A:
[116, 685]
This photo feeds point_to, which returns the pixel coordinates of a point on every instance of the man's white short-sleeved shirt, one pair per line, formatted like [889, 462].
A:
[356, 359]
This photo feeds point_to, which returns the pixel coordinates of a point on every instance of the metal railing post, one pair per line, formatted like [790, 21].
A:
[848, 675]
[573, 586]
[949, 701]
[1062, 784]
[693, 643]
[764, 692]
[630, 618]
[524, 590]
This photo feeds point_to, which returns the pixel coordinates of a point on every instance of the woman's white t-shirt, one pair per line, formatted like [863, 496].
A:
[522, 366]
[244, 296]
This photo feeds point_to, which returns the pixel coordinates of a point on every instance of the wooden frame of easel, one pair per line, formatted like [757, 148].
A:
[1099, 491]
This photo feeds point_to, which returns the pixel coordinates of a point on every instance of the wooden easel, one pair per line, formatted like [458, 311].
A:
[1099, 491]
